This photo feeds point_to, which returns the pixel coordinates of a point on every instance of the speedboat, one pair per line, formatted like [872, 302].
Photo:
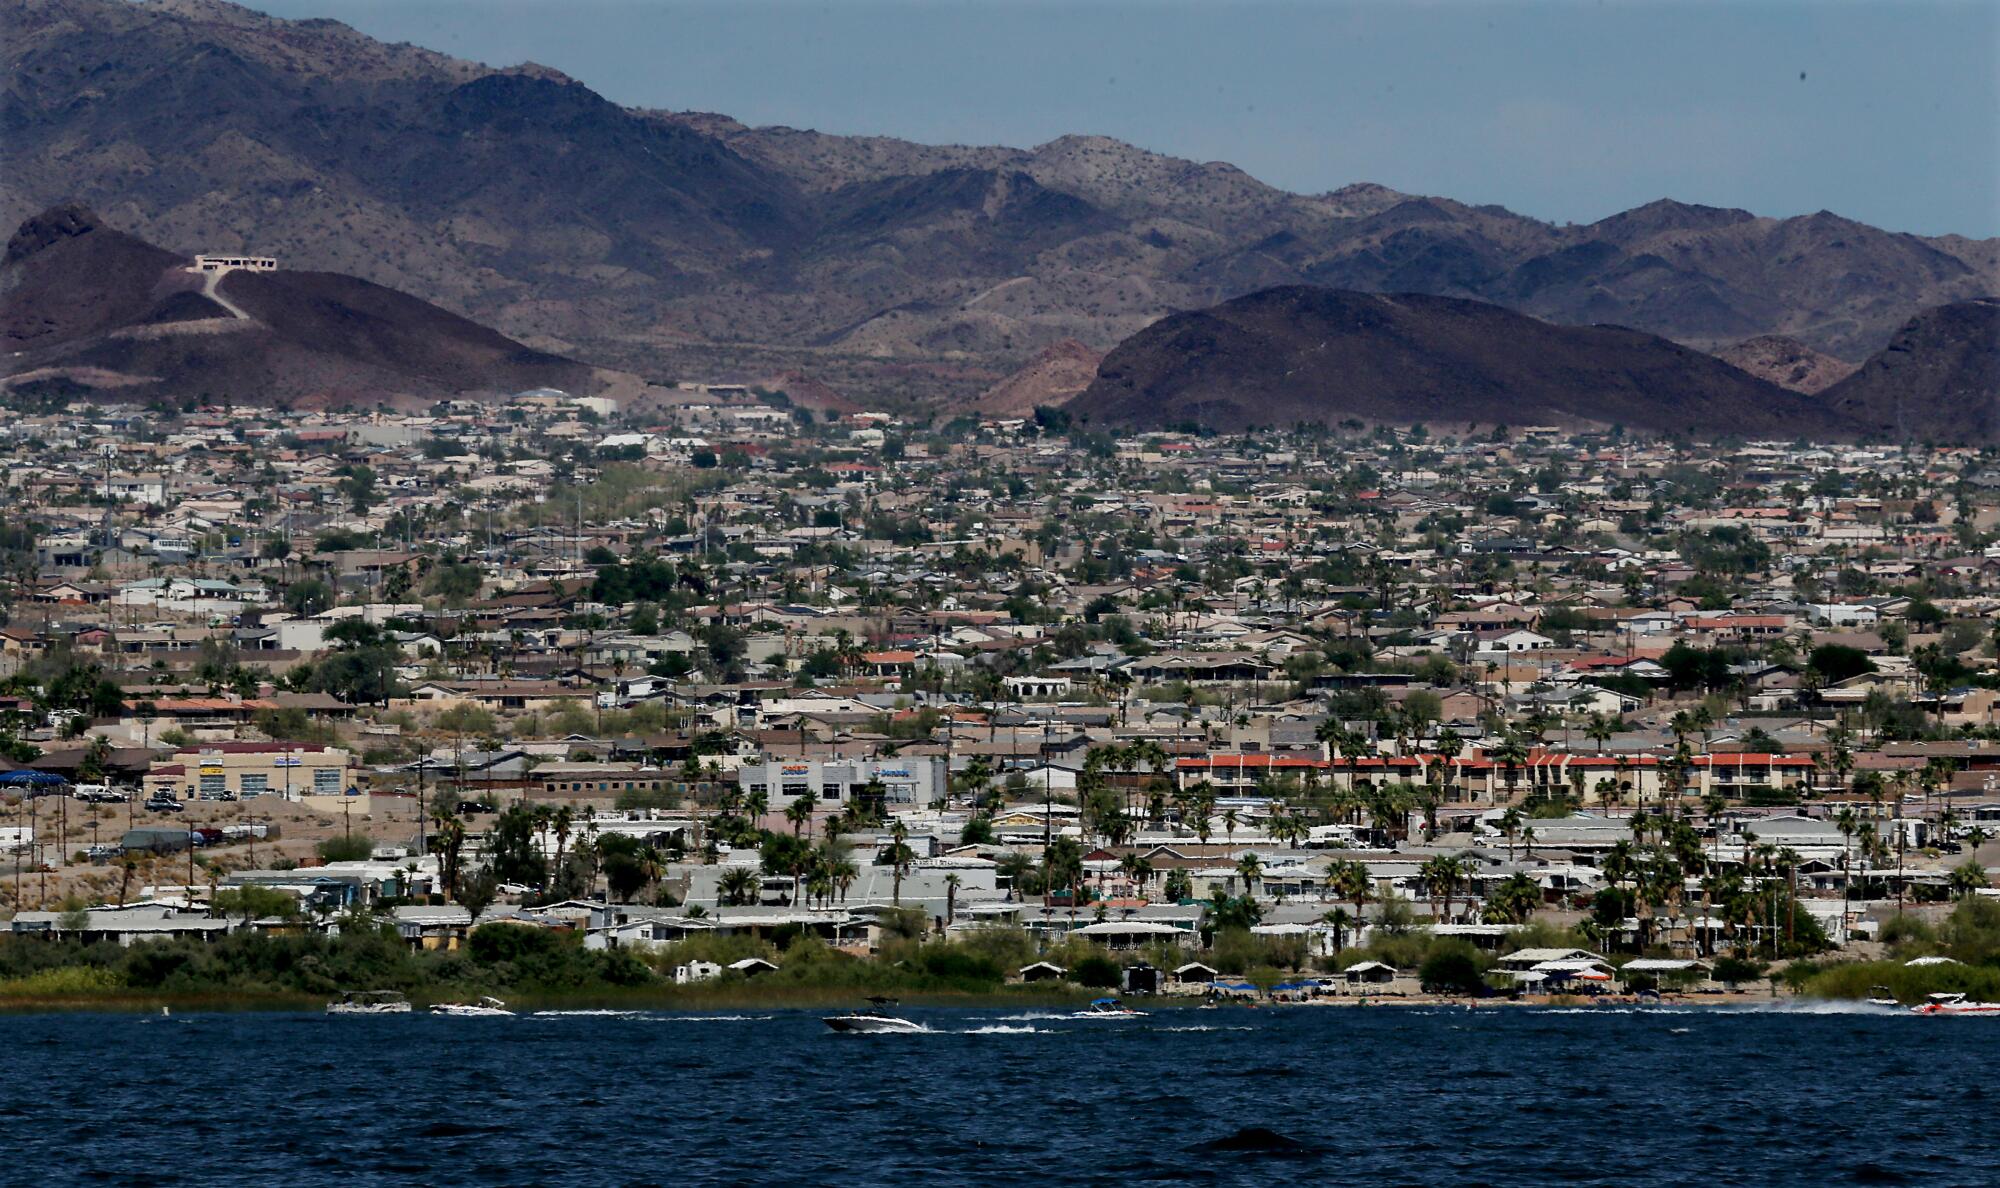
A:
[874, 1020]
[486, 1007]
[1879, 996]
[1955, 1004]
[369, 1002]
[1108, 1008]
[874, 1023]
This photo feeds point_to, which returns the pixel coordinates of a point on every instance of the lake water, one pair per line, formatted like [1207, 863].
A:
[1378, 1096]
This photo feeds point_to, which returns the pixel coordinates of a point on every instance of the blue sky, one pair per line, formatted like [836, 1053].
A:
[1566, 111]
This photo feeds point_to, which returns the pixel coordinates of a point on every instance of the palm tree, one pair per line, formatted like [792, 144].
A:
[799, 813]
[1599, 731]
[737, 887]
[1511, 753]
[562, 825]
[1349, 880]
[1338, 919]
[951, 885]
[1966, 879]
[901, 858]
[1514, 900]
[1847, 822]
[1442, 876]
[1065, 869]
[1015, 867]
[1250, 869]
[1141, 872]
[1510, 825]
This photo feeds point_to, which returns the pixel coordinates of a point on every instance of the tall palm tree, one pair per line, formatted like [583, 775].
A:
[1338, 919]
[1065, 869]
[1848, 823]
[1348, 880]
[799, 814]
[1443, 875]
[1511, 753]
[1250, 869]
[562, 824]
[901, 858]
[1599, 730]
[1510, 827]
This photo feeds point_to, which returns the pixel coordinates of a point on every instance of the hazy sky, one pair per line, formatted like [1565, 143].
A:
[1566, 111]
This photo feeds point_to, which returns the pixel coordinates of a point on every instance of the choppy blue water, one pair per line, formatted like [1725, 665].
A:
[1379, 1097]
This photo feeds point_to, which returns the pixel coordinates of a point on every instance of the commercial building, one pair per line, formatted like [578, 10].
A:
[322, 777]
[906, 782]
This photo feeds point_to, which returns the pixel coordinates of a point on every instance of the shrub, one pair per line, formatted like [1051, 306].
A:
[1100, 972]
[1734, 971]
[346, 849]
[1451, 968]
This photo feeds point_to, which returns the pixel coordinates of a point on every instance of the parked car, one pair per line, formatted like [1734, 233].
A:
[164, 804]
[466, 807]
[101, 794]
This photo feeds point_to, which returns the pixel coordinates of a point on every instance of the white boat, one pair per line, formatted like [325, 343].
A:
[875, 1021]
[1880, 997]
[369, 1002]
[486, 1007]
[1955, 1004]
[1109, 1008]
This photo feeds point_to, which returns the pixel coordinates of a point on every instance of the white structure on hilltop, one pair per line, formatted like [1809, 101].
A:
[227, 263]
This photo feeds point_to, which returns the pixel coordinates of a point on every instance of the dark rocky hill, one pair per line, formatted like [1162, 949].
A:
[1298, 354]
[1937, 380]
[86, 309]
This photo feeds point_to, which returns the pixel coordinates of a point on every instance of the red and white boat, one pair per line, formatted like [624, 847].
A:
[1955, 1004]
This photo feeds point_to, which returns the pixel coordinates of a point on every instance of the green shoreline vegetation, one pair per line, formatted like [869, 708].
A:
[538, 967]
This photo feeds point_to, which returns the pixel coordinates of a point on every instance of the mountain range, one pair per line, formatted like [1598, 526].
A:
[687, 244]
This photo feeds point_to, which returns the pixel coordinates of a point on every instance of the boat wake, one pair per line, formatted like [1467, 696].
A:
[587, 1014]
[1811, 1006]
[710, 1018]
[1003, 1029]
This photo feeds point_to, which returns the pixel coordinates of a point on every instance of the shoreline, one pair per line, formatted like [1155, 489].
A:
[804, 999]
